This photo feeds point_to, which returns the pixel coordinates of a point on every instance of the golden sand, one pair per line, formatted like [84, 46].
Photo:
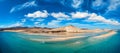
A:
[67, 38]
[106, 35]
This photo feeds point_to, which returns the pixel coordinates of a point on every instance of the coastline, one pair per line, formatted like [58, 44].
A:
[68, 38]
[64, 36]
[57, 39]
[106, 35]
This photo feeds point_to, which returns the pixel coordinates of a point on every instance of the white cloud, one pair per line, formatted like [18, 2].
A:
[76, 3]
[16, 24]
[51, 24]
[98, 4]
[113, 4]
[79, 15]
[54, 23]
[59, 15]
[38, 14]
[36, 23]
[22, 6]
[39, 20]
[91, 17]
[97, 18]
[42, 25]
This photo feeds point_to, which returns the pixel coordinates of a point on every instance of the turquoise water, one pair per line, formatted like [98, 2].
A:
[12, 42]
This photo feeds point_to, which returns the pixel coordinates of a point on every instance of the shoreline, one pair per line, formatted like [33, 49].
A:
[62, 34]
[57, 39]
[106, 35]
[63, 37]
[68, 38]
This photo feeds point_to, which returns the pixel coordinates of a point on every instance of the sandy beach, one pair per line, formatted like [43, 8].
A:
[110, 33]
[57, 39]
[106, 35]
[64, 35]
[61, 34]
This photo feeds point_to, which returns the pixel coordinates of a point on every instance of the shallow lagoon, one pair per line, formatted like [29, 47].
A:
[12, 42]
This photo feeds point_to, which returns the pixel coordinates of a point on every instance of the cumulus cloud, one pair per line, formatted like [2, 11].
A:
[38, 14]
[77, 3]
[22, 6]
[91, 17]
[79, 15]
[97, 18]
[60, 16]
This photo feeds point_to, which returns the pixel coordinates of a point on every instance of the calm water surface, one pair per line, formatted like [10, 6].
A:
[12, 42]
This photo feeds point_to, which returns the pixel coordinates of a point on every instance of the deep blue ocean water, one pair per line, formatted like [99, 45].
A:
[12, 42]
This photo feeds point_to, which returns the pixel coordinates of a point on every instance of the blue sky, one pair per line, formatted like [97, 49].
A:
[57, 13]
